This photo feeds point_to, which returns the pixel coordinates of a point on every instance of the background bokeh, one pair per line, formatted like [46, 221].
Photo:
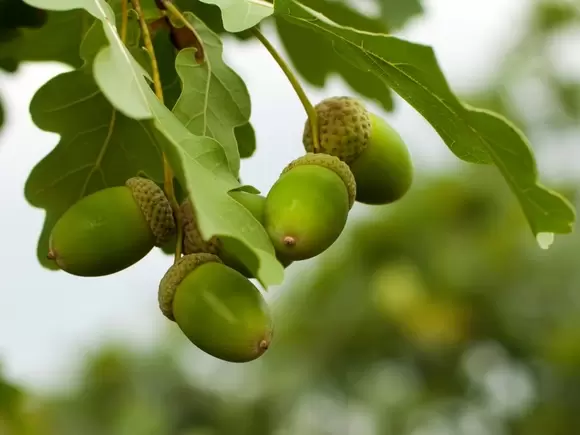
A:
[436, 315]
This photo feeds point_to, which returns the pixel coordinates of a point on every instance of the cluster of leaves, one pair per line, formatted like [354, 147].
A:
[112, 125]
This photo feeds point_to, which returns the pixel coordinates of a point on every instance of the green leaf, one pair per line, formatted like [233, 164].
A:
[395, 13]
[246, 138]
[247, 188]
[473, 135]
[57, 39]
[14, 15]
[240, 15]
[342, 13]
[211, 15]
[150, 10]
[214, 100]
[199, 163]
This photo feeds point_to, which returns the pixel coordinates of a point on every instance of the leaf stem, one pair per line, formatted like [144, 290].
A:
[310, 111]
[167, 171]
[149, 47]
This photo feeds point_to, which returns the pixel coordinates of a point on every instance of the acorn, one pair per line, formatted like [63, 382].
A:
[307, 208]
[344, 128]
[217, 308]
[111, 229]
[384, 171]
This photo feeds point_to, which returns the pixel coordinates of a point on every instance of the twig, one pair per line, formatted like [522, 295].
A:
[149, 47]
[124, 19]
[167, 171]
[310, 111]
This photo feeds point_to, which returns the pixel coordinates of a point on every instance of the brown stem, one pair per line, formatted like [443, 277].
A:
[167, 171]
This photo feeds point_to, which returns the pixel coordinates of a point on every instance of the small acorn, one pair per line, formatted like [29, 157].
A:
[384, 171]
[111, 229]
[344, 127]
[307, 208]
[217, 308]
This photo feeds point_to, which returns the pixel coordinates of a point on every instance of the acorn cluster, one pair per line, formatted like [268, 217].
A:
[376, 154]
[207, 292]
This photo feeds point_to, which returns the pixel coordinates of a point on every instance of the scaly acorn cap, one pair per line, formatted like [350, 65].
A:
[333, 163]
[344, 127]
[155, 207]
[175, 274]
[193, 242]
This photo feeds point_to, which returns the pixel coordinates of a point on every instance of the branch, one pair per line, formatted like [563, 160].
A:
[167, 171]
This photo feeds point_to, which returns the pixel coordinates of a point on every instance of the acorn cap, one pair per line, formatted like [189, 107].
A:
[155, 207]
[344, 127]
[193, 242]
[333, 163]
[175, 274]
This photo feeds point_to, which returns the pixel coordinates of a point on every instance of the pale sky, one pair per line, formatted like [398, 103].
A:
[48, 319]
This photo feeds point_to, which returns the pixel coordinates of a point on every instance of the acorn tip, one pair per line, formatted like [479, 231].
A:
[264, 345]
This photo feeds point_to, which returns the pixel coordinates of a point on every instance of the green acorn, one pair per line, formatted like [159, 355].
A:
[307, 208]
[384, 171]
[217, 308]
[344, 127]
[111, 229]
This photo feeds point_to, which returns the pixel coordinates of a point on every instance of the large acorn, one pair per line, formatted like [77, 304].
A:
[217, 308]
[384, 170]
[111, 229]
[307, 208]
